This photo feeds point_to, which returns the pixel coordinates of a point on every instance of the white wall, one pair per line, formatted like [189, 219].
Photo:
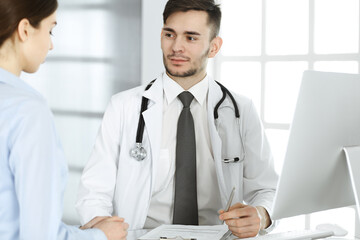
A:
[151, 61]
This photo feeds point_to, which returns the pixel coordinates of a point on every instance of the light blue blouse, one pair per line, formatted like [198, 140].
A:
[33, 168]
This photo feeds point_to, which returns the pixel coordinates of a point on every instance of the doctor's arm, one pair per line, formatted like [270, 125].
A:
[259, 181]
[260, 178]
[98, 180]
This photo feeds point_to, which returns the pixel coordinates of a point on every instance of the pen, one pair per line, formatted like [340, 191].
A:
[229, 201]
[226, 235]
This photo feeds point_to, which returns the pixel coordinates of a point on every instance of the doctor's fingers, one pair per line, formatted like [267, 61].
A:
[114, 230]
[237, 205]
[221, 211]
[123, 225]
[248, 226]
[115, 219]
[244, 222]
[244, 232]
[93, 222]
[247, 211]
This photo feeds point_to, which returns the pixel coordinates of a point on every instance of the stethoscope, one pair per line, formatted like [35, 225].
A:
[139, 152]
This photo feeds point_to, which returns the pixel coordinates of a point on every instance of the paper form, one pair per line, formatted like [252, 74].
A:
[199, 232]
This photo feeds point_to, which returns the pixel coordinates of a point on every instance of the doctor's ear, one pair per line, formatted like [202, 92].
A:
[24, 30]
[215, 46]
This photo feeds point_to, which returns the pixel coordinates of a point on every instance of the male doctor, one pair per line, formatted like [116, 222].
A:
[184, 178]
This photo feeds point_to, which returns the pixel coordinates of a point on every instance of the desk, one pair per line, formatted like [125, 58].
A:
[134, 234]
[344, 238]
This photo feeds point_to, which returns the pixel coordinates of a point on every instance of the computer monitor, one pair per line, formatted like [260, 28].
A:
[315, 174]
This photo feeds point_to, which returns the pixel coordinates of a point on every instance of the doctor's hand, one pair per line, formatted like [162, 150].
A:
[244, 220]
[114, 228]
[93, 221]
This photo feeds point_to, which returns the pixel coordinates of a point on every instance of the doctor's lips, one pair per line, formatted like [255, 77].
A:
[178, 59]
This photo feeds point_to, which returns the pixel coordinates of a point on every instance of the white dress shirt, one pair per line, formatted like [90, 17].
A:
[208, 194]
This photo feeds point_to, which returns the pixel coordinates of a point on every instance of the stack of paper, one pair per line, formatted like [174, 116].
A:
[187, 232]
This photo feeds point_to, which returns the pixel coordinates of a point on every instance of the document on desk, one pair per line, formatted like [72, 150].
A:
[186, 232]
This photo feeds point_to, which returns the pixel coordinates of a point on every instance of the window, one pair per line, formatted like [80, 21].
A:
[267, 46]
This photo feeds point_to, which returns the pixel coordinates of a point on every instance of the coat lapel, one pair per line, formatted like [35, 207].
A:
[153, 122]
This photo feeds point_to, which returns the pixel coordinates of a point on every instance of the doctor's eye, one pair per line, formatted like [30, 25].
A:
[169, 35]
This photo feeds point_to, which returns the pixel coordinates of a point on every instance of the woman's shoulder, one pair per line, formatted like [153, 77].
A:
[23, 104]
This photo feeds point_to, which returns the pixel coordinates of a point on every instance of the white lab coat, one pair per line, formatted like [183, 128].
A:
[113, 183]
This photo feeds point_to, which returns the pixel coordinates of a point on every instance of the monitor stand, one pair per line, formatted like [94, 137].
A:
[352, 155]
[357, 225]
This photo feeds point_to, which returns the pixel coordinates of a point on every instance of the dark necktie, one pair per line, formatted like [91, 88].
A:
[185, 202]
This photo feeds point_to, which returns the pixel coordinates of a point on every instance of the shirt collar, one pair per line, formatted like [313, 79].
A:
[172, 89]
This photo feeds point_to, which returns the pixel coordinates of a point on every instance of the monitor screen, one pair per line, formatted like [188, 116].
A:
[315, 175]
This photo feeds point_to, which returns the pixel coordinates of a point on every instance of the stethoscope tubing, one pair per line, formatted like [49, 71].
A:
[141, 124]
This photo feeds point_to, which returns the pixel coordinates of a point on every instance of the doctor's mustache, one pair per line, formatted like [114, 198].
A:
[177, 56]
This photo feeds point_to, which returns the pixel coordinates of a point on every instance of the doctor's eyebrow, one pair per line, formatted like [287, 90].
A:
[186, 32]
[168, 29]
[192, 33]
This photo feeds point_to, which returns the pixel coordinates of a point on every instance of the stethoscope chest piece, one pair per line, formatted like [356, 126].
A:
[139, 153]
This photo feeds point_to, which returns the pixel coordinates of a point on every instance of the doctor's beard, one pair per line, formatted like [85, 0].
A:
[191, 71]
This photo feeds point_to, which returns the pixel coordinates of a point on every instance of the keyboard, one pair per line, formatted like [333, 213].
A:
[297, 234]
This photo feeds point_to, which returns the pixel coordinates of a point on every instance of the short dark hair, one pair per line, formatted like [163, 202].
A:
[209, 6]
[13, 11]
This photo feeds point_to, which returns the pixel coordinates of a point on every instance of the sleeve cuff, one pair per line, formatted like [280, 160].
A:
[269, 229]
[272, 225]
[87, 214]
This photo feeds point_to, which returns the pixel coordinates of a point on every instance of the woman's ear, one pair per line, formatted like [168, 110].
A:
[215, 46]
[24, 30]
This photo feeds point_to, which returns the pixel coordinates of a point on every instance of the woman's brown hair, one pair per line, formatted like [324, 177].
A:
[13, 11]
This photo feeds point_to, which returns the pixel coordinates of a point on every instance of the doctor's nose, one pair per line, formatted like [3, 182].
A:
[178, 45]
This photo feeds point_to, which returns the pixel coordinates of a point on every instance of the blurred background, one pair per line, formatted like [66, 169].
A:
[106, 46]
